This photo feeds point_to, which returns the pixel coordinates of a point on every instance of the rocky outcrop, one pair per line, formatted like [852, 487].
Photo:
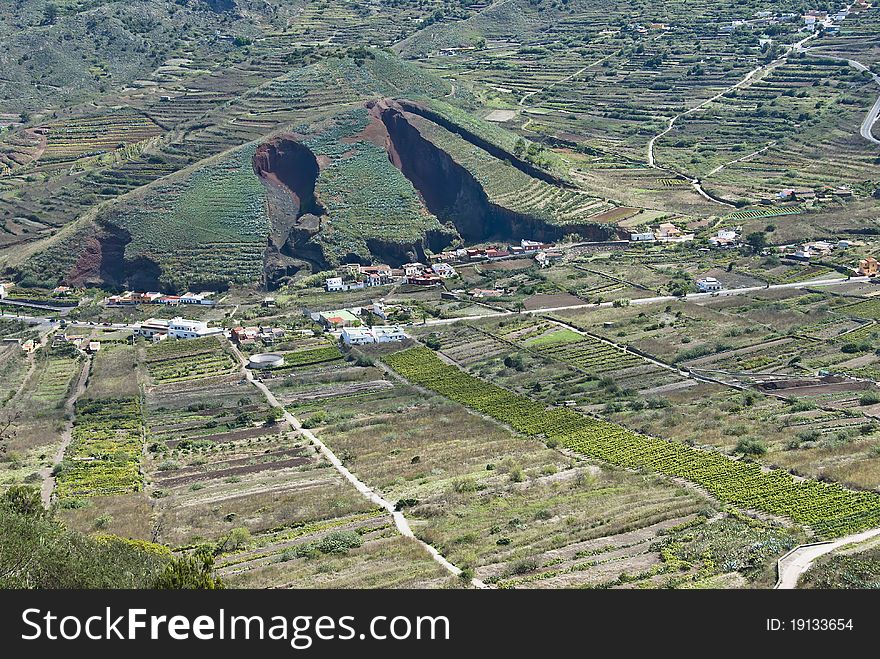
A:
[102, 262]
[452, 193]
[289, 171]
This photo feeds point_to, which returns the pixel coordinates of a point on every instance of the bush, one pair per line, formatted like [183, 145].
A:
[869, 398]
[315, 420]
[339, 542]
[748, 446]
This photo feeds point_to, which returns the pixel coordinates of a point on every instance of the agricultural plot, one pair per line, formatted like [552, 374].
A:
[311, 356]
[803, 434]
[216, 461]
[672, 333]
[532, 518]
[105, 452]
[88, 136]
[185, 225]
[52, 379]
[508, 187]
[588, 354]
[828, 509]
[13, 369]
[190, 359]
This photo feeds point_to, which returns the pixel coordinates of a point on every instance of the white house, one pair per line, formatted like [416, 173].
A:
[358, 336]
[642, 237]
[4, 291]
[181, 328]
[388, 333]
[413, 269]
[379, 310]
[724, 238]
[709, 285]
[196, 298]
[152, 328]
[443, 270]
[338, 284]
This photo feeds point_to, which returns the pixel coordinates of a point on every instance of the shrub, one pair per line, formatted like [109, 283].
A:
[748, 446]
[339, 542]
[869, 398]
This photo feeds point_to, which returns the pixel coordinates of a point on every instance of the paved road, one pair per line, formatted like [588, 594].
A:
[874, 113]
[660, 298]
[792, 566]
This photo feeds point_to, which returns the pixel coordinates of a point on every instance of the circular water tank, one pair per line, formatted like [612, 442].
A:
[266, 360]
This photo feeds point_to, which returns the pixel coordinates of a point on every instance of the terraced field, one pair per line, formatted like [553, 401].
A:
[53, 379]
[105, 453]
[181, 360]
[829, 509]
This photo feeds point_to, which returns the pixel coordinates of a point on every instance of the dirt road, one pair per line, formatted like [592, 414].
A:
[399, 520]
[48, 480]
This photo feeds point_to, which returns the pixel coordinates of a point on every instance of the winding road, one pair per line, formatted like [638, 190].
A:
[695, 182]
[865, 129]
[793, 565]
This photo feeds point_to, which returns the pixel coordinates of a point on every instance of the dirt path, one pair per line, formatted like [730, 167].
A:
[48, 479]
[740, 159]
[751, 74]
[527, 95]
[793, 565]
[399, 520]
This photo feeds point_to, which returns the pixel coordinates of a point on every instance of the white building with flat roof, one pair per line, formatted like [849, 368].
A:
[182, 328]
[709, 285]
[358, 336]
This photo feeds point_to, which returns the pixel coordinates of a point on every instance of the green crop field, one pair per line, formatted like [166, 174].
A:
[829, 509]
[105, 453]
[188, 359]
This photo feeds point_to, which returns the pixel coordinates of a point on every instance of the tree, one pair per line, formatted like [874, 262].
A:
[757, 240]
[50, 14]
[24, 500]
[7, 429]
[195, 572]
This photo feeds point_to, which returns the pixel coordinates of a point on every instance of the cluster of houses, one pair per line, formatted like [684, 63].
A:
[813, 20]
[356, 276]
[157, 329]
[354, 332]
[666, 232]
[248, 336]
[465, 255]
[79, 342]
[808, 194]
[815, 249]
[816, 19]
[131, 298]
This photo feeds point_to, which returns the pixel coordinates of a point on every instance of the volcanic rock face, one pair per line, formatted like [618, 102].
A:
[450, 191]
[292, 166]
[102, 262]
[289, 171]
